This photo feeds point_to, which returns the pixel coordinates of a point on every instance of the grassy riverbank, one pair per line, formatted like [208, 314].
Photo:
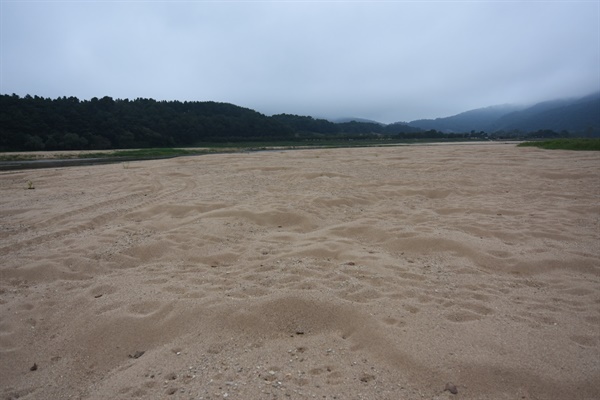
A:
[565, 144]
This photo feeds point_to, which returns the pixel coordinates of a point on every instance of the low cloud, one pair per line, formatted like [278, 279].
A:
[380, 60]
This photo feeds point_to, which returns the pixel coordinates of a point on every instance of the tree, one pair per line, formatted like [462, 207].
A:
[34, 143]
[72, 141]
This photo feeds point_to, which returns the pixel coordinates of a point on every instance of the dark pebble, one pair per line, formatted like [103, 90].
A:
[137, 354]
[451, 388]
[367, 378]
[33, 367]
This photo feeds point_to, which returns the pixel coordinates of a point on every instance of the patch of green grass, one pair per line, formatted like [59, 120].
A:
[144, 153]
[565, 144]
[129, 154]
[17, 157]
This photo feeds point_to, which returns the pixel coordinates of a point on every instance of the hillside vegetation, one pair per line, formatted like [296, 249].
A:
[67, 123]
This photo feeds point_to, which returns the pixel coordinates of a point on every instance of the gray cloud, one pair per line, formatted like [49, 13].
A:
[386, 61]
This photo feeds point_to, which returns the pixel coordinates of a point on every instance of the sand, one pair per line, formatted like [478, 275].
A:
[373, 273]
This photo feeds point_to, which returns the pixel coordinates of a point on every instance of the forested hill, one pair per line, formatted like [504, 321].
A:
[37, 123]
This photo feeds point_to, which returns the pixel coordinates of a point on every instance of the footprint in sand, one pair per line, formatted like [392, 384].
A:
[394, 322]
[586, 341]
[462, 316]
[144, 308]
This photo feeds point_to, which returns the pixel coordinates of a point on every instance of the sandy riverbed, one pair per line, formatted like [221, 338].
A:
[374, 273]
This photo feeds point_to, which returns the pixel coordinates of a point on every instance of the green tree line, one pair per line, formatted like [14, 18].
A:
[67, 123]
[37, 123]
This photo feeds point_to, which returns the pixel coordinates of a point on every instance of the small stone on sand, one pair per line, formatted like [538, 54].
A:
[137, 354]
[450, 387]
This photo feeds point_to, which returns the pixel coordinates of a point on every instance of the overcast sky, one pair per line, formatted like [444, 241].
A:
[382, 60]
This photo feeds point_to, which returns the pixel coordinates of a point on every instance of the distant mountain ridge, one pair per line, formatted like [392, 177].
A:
[577, 115]
[480, 119]
[67, 123]
[351, 119]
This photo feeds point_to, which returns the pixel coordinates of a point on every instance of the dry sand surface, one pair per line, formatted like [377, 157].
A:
[373, 273]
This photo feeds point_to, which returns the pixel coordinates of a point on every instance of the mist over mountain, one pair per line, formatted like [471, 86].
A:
[579, 115]
[480, 119]
[350, 119]
[575, 115]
